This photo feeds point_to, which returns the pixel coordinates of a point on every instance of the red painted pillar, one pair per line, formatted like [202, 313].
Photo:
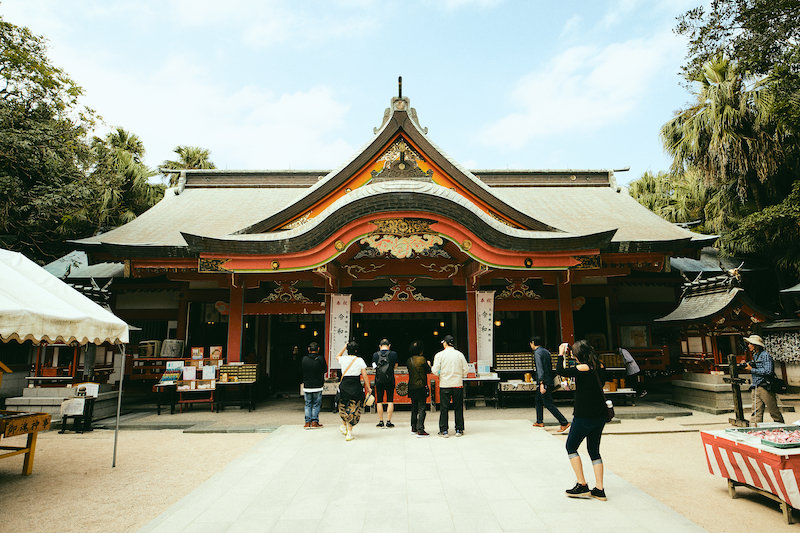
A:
[327, 338]
[565, 309]
[235, 320]
[472, 325]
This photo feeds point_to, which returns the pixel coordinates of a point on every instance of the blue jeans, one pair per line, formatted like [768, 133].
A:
[313, 405]
[546, 400]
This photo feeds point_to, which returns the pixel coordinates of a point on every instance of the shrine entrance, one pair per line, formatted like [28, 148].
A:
[403, 328]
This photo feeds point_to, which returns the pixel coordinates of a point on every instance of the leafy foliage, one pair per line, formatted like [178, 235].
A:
[741, 137]
[189, 157]
[762, 35]
[55, 183]
[773, 232]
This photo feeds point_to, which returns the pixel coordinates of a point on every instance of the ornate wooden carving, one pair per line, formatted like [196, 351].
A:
[451, 269]
[516, 290]
[402, 247]
[402, 291]
[354, 270]
[286, 292]
[400, 162]
[212, 265]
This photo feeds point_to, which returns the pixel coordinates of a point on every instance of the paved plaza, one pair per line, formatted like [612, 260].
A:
[502, 476]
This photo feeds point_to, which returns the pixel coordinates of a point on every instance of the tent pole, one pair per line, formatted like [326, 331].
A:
[119, 401]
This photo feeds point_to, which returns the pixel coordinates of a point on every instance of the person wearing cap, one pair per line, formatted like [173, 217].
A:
[761, 367]
[451, 367]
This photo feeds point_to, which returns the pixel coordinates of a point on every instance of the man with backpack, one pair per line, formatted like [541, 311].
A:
[384, 361]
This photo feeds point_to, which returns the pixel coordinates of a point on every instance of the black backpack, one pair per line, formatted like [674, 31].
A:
[383, 372]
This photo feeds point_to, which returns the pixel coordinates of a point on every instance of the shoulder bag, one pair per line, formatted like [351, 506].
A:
[609, 404]
[337, 398]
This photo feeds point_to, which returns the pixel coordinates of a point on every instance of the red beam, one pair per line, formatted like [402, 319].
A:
[526, 305]
[284, 308]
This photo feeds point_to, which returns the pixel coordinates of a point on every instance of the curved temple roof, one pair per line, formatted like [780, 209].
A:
[239, 211]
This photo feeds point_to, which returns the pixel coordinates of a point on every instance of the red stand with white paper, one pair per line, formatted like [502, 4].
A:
[772, 472]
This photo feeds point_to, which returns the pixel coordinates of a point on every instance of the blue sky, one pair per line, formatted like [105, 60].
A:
[290, 84]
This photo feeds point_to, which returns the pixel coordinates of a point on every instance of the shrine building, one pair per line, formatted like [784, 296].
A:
[402, 242]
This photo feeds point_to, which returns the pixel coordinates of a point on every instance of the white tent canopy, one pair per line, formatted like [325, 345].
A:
[37, 306]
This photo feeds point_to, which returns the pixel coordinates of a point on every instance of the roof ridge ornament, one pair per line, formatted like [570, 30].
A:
[402, 104]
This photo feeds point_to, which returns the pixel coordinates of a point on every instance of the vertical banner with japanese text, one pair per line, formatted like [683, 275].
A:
[340, 326]
[484, 308]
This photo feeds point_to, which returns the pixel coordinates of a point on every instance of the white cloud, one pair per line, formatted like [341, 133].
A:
[616, 12]
[452, 5]
[583, 89]
[572, 24]
[245, 127]
[261, 24]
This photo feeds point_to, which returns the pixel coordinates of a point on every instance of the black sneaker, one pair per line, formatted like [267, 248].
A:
[389, 424]
[379, 424]
[599, 494]
[579, 491]
[422, 433]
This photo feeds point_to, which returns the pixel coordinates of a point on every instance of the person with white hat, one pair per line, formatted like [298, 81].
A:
[761, 367]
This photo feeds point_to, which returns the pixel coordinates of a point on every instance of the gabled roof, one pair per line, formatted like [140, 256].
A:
[704, 298]
[394, 196]
[399, 123]
[254, 211]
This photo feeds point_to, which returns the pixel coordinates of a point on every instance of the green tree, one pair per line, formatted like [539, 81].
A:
[772, 233]
[762, 35]
[189, 157]
[122, 178]
[680, 198]
[55, 184]
[728, 135]
[30, 79]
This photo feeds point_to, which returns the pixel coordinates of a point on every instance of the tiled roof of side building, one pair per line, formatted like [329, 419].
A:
[206, 211]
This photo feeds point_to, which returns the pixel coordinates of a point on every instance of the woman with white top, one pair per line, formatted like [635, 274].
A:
[351, 392]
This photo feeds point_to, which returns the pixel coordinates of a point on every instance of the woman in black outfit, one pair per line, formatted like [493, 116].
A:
[582, 363]
[418, 370]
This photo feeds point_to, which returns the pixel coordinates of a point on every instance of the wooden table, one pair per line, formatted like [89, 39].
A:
[12, 424]
[246, 395]
[482, 383]
[165, 391]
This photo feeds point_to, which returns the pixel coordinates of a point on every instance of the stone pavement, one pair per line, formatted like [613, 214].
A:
[502, 476]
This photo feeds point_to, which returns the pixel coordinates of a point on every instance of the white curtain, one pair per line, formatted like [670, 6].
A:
[340, 326]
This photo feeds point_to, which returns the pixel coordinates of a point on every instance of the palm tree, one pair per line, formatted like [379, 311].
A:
[121, 139]
[728, 136]
[674, 197]
[189, 157]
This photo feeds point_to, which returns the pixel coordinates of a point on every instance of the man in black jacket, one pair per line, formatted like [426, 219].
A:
[314, 368]
[544, 386]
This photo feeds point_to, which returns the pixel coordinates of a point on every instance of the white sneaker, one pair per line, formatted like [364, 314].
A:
[349, 436]
[343, 430]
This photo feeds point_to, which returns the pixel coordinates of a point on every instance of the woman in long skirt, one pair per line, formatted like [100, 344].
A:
[351, 391]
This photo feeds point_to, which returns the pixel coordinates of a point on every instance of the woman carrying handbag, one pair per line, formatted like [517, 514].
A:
[590, 415]
[351, 392]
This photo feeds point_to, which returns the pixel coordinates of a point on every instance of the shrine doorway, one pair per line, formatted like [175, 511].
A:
[403, 328]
